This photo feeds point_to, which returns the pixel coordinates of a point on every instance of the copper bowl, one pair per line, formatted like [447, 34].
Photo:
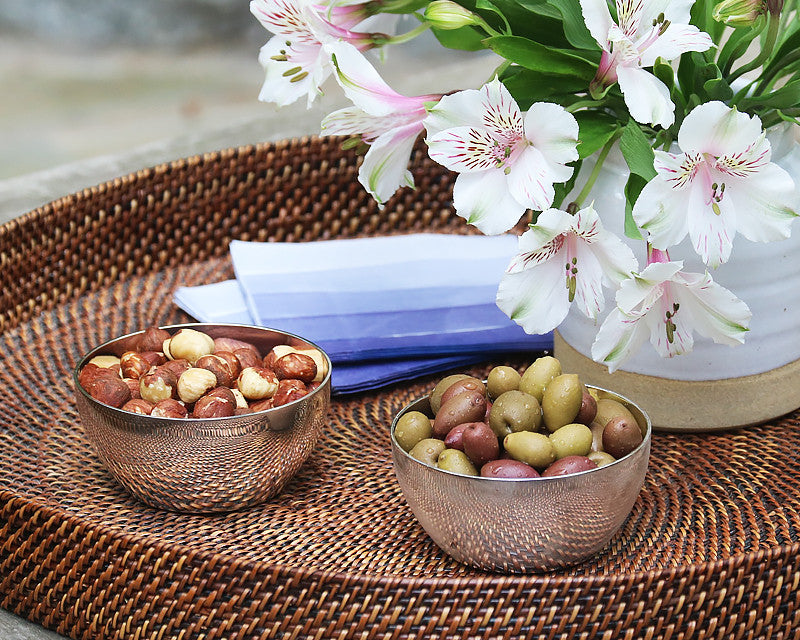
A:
[206, 465]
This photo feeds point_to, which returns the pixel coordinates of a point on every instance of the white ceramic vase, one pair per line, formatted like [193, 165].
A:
[714, 386]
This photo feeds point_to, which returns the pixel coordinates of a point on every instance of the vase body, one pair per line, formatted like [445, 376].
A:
[715, 386]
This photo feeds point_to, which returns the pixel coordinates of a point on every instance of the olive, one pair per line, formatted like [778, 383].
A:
[427, 450]
[597, 436]
[538, 376]
[502, 379]
[601, 458]
[412, 427]
[561, 401]
[621, 436]
[457, 462]
[570, 464]
[588, 409]
[572, 440]
[469, 406]
[608, 408]
[455, 437]
[514, 411]
[460, 386]
[508, 469]
[480, 443]
[534, 449]
[441, 387]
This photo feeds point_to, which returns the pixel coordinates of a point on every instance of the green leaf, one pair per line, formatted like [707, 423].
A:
[574, 25]
[718, 89]
[664, 72]
[595, 130]
[736, 46]
[786, 97]
[633, 188]
[529, 86]
[563, 189]
[528, 19]
[637, 151]
[487, 5]
[540, 58]
[465, 38]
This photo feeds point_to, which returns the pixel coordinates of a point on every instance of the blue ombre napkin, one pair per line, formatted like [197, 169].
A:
[384, 309]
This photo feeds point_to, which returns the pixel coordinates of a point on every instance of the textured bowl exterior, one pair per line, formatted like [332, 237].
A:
[527, 525]
[200, 466]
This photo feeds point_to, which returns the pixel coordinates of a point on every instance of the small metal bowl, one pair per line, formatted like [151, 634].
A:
[206, 465]
[523, 525]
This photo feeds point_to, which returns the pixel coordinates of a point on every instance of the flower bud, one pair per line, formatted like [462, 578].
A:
[444, 14]
[739, 13]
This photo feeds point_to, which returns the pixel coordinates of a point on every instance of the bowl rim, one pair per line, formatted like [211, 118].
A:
[647, 436]
[325, 383]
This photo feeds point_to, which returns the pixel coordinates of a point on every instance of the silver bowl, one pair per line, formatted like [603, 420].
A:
[206, 465]
[523, 525]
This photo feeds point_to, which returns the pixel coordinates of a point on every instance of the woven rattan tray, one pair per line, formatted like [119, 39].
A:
[710, 550]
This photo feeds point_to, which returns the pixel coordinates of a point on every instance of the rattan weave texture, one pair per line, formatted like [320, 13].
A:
[710, 550]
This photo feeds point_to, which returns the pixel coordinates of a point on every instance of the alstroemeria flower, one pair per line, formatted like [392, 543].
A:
[386, 120]
[294, 60]
[561, 259]
[645, 30]
[723, 182]
[507, 162]
[668, 304]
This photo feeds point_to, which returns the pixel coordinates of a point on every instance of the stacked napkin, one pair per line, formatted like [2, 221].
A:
[384, 309]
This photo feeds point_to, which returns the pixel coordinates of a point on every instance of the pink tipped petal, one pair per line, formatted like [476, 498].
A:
[711, 228]
[646, 97]
[536, 299]
[529, 180]
[541, 242]
[661, 210]
[629, 15]
[619, 337]
[500, 114]
[636, 292]
[351, 121]
[669, 343]
[597, 18]
[589, 296]
[714, 311]
[460, 109]
[717, 129]
[484, 201]
[554, 131]
[677, 39]
[764, 205]
[465, 149]
[278, 88]
[385, 165]
[283, 18]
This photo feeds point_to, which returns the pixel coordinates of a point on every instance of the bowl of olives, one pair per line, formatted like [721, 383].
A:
[521, 472]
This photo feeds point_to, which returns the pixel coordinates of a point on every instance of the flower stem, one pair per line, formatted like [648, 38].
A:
[409, 35]
[601, 158]
[580, 104]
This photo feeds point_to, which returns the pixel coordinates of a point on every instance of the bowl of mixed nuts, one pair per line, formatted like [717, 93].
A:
[203, 417]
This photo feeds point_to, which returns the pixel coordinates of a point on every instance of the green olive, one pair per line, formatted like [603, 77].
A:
[412, 427]
[457, 462]
[561, 401]
[514, 411]
[572, 440]
[534, 449]
[538, 376]
[608, 408]
[601, 458]
[427, 450]
[441, 387]
[502, 379]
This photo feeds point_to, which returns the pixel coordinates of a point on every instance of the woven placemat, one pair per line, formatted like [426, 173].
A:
[709, 551]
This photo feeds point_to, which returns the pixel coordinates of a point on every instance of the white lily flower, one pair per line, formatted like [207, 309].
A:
[561, 259]
[668, 304]
[295, 61]
[386, 120]
[645, 31]
[507, 162]
[723, 182]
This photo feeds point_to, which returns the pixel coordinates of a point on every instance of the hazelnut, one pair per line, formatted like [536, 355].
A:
[137, 405]
[194, 382]
[169, 408]
[177, 367]
[133, 364]
[257, 383]
[241, 401]
[109, 390]
[231, 345]
[261, 405]
[133, 385]
[217, 403]
[247, 358]
[91, 371]
[152, 339]
[105, 362]
[289, 391]
[283, 349]
[226, 371]
[189, 344]
[158, 384]
[297, 366]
